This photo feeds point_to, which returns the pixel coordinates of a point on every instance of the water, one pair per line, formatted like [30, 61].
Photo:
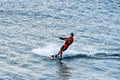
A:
[30, 31]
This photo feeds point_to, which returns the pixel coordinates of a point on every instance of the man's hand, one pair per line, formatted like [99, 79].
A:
[61, 38]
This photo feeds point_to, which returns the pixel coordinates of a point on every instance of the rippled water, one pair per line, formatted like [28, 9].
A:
[30, 31]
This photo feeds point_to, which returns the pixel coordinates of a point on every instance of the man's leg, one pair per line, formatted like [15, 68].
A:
[60, 51]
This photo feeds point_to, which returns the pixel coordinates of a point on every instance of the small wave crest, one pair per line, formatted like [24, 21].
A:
[107, 55]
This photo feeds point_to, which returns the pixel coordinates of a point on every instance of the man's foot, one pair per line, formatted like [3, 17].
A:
[52, 56]
[56, 56]
[61, 56]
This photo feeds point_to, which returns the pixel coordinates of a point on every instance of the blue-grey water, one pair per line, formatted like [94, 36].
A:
[30, 30]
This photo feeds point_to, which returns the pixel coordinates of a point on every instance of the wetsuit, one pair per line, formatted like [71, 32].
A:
[68, 42]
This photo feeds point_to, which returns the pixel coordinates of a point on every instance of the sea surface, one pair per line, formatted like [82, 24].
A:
[30, 31]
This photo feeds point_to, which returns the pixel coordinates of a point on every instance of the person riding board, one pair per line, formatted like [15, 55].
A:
[68, 41]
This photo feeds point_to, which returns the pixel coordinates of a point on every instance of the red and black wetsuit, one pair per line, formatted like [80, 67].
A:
[68, 42]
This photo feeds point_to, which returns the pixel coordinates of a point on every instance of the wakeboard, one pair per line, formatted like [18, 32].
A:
[55, 58]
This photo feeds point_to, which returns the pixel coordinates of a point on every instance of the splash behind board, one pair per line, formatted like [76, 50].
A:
[47, 52]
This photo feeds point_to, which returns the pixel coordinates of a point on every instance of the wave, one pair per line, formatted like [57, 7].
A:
[107, 55]
[96, 56]
[71, 54]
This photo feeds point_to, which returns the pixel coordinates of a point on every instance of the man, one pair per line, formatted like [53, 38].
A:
[68, 42]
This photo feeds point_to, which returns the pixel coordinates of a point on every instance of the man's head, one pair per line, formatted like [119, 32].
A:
[72, 34]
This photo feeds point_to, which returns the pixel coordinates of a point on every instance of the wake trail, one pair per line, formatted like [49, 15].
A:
[50, 50]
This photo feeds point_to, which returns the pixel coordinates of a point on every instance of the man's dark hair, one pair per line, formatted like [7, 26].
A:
[72, 34]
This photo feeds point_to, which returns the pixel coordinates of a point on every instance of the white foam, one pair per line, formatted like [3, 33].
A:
[49, 50]
[45, 51]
